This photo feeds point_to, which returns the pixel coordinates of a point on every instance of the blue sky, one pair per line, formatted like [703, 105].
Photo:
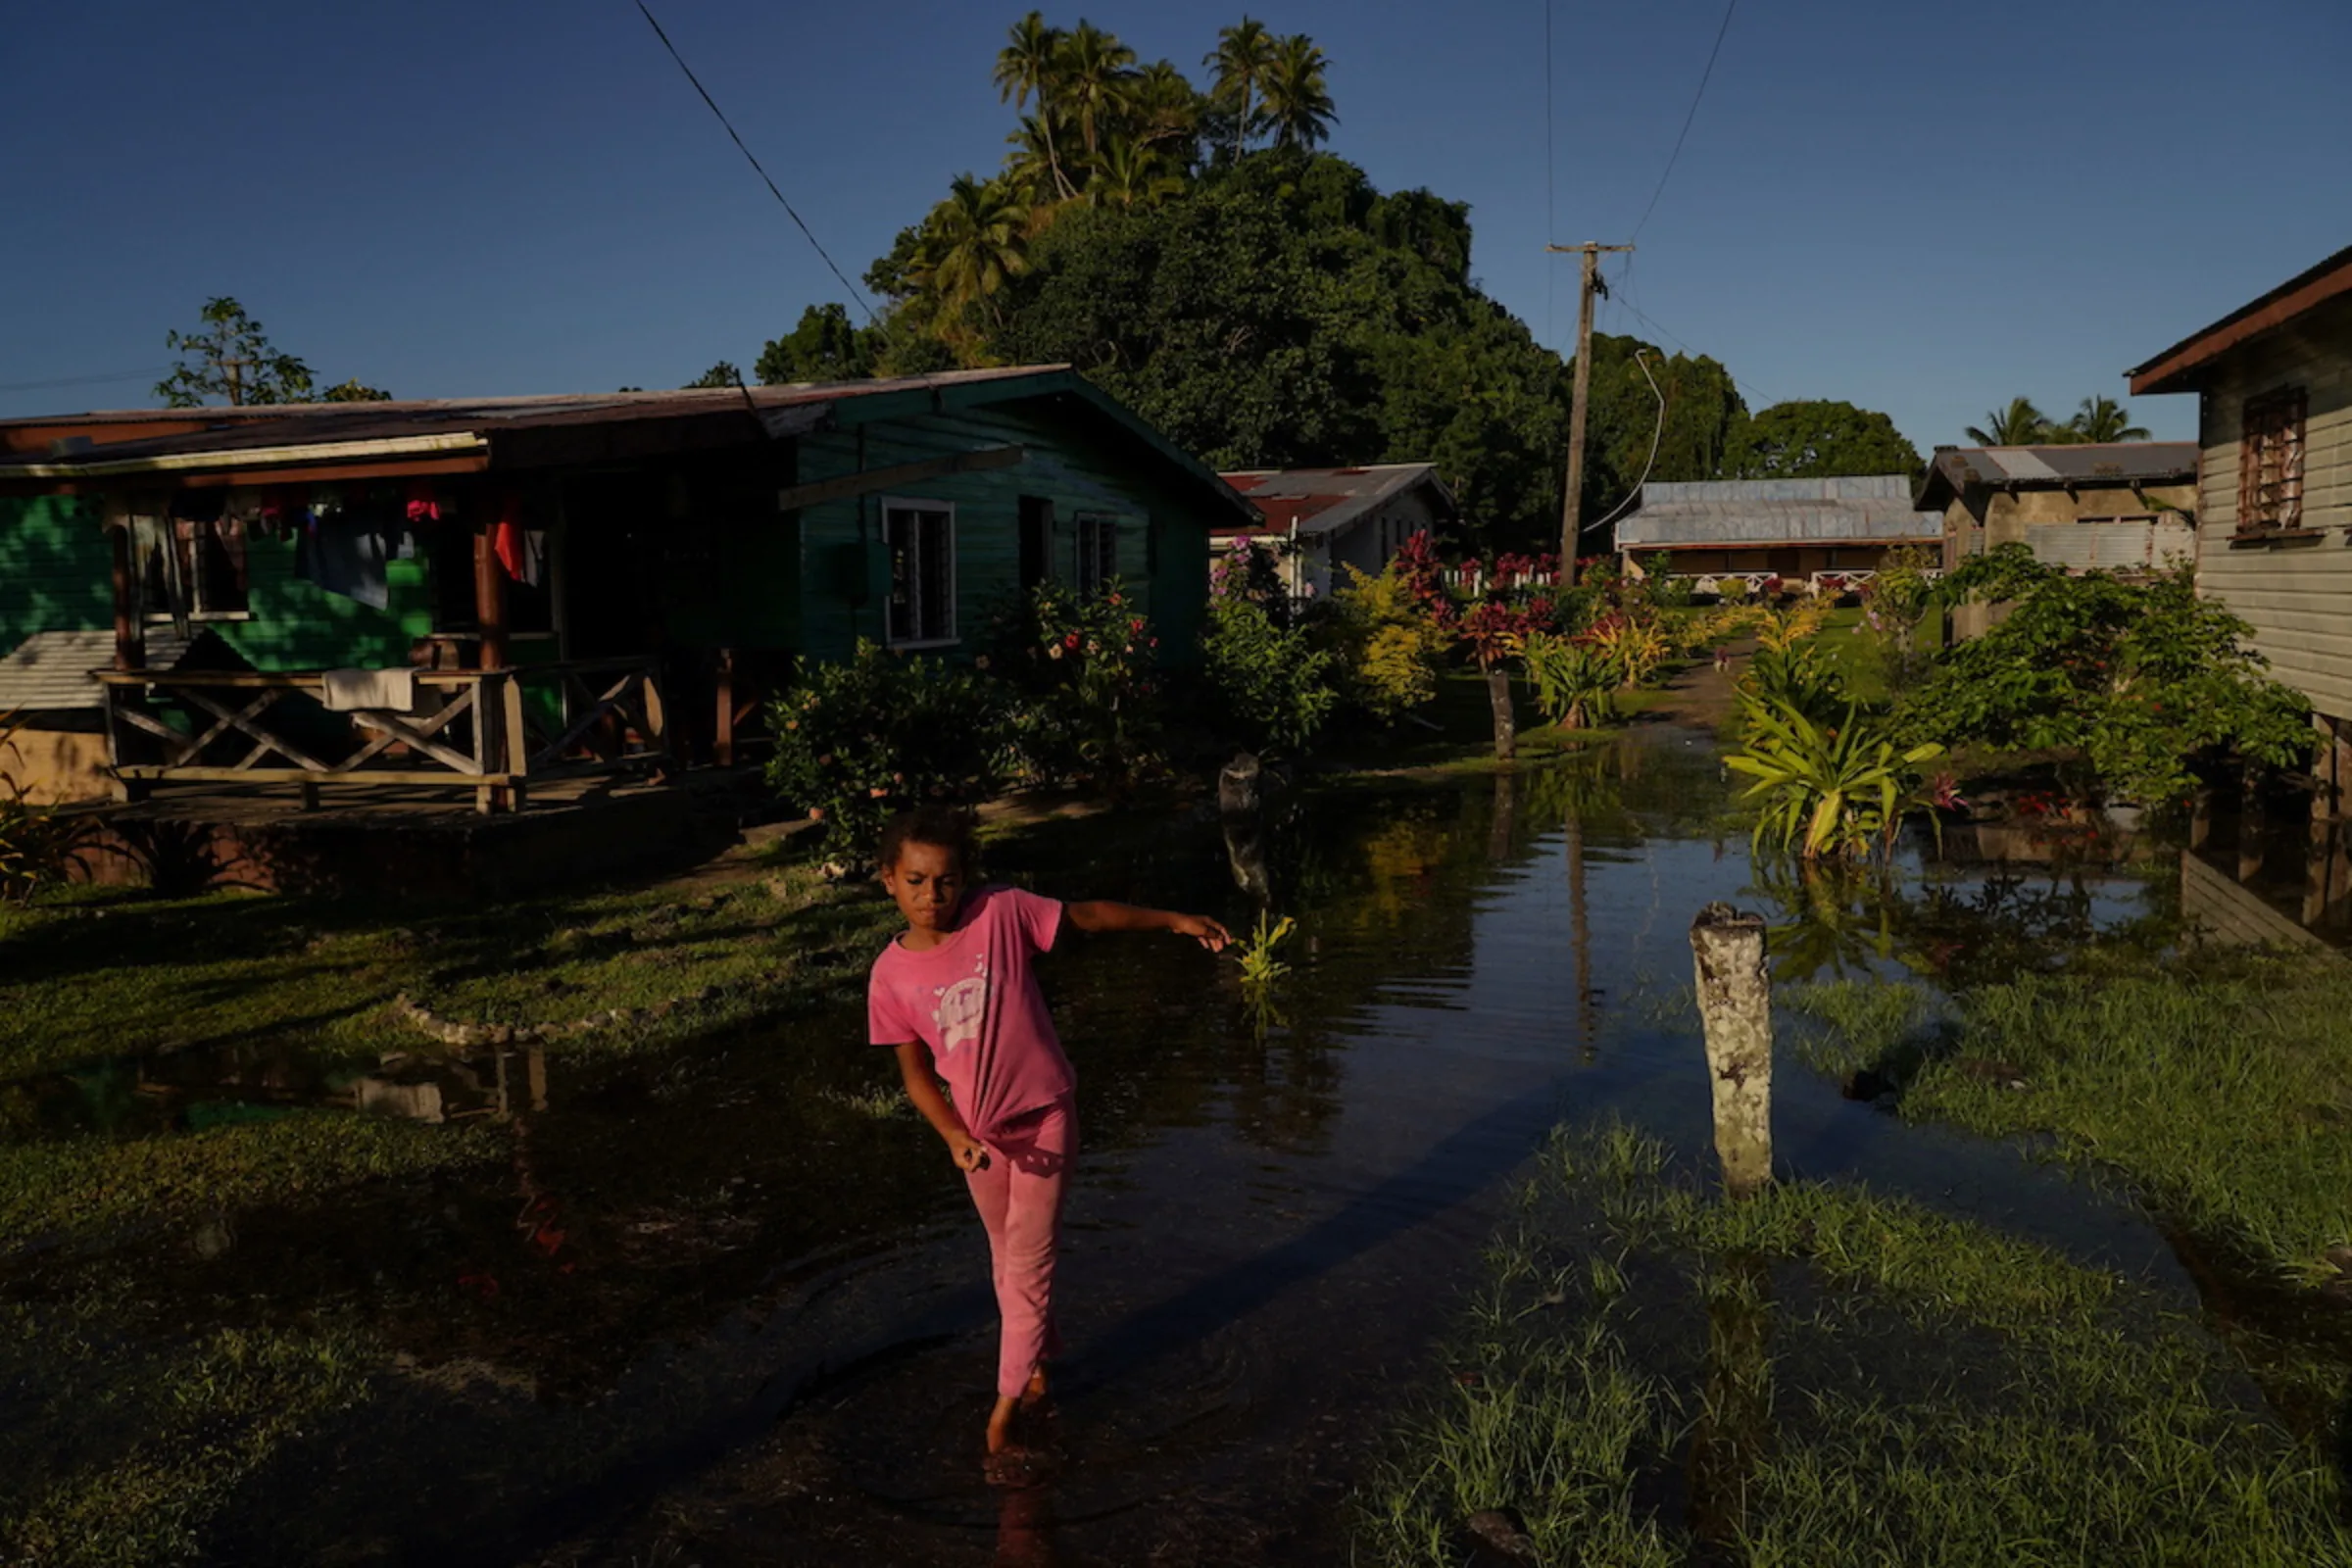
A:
[1920, 209]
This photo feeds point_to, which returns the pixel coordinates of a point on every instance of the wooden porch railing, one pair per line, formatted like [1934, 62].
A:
[493, 732]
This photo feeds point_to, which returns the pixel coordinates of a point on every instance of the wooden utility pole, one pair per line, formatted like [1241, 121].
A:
[1572, 504]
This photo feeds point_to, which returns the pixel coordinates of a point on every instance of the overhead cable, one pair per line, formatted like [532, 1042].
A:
[754, 161]
[1703, 77]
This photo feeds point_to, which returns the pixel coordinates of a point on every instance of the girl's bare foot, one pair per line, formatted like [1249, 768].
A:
[999, 1425]
[1035, 1393]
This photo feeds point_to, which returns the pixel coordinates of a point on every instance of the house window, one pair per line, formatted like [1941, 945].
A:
[1098, 552]
[207, 579]
[2270, 462]
[921, 536]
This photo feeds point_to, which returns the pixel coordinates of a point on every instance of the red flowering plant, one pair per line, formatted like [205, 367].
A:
[1083, 667]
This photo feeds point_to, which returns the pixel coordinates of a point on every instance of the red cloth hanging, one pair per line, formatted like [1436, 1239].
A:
[423, 506]
[506, 537]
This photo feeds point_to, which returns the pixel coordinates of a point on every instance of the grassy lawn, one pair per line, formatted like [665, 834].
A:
[89, 979]
[1652, 1374]
[2224, 1097]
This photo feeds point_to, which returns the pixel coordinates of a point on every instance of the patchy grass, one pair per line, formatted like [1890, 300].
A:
[100, 976]
[61, 1189]
[2226, 1100]
[128, 1445]
[88, 978]
[1650, 1375]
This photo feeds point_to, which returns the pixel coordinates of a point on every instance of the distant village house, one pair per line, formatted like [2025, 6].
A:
[1738, 535]
[1323, 521]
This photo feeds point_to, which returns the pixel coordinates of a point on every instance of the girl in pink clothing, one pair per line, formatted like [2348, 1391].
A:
[955, 998]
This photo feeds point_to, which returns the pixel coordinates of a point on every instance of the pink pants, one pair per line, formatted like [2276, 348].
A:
[1020, 1198]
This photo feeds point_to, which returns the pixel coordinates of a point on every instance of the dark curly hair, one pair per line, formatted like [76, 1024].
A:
[945, 827]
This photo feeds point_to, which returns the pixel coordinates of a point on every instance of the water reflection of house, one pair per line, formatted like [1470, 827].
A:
[1806, 532]
[1335, 517]
[2274, 385]
[2127, 506]
[499, 594]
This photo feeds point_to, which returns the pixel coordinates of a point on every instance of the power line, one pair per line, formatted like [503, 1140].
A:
[1668, 174]
[754, 161]
[1762, 399]
[1551, 187]
[85, 380]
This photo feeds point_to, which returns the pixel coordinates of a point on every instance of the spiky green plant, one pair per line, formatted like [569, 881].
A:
[1828, 792]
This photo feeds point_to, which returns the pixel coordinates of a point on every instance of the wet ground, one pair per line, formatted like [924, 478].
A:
[713, 1312]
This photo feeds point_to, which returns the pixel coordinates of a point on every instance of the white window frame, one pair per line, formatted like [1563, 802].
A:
[1083, 523]
[192, 567]
[919, 504]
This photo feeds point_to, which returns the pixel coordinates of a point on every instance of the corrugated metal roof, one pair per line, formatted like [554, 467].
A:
[298, 424]
[1322, 500]
[1955, 469]
[50, 670]
[1752, 513]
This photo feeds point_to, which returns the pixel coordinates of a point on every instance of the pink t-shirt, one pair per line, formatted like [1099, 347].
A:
[974, 1000]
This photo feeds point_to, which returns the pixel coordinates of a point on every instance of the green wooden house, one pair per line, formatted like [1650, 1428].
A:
[711, 537]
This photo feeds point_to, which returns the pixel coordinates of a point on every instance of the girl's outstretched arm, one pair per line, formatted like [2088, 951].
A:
[923, 1086]
[1100, 914]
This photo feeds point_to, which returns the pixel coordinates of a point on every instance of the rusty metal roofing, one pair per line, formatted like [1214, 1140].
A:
[1746, 513]
[1327, 501]
[298, 423]
[475, 433]
[50, 671]
[2056, 468]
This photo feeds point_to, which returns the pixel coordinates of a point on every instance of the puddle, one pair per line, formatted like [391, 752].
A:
[715, 1312]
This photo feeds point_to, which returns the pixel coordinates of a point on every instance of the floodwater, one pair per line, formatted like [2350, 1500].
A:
[711, 1313]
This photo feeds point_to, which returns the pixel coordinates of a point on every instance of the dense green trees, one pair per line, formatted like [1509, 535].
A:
[1194, 254]
[1819, 439]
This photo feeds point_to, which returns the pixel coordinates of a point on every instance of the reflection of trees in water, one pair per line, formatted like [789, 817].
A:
[1856, 921]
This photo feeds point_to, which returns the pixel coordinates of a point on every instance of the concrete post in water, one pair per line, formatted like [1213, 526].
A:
[1239, 802]
[1237, 786]
[1735, 1003]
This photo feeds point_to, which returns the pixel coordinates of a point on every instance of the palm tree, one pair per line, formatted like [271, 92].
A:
[1166, 107]
[2019, 424]
[1298, 103]
[1132, 173]
[971, 244]
[2102, 419]
[1243, 57]
[1097, 73]
[1029, 64]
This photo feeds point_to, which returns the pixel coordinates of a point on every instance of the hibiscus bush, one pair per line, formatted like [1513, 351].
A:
[1088, 706]
[859, 740]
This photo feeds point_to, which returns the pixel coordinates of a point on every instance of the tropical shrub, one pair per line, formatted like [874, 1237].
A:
[1896, 601]
[1633, 647]
[2143, 681]
[1273, 684]
[1087, 705]
[1828, 792]
[859, 740]
[1798, 677]
[1391, 645]
[38, 846]
[1575, 682]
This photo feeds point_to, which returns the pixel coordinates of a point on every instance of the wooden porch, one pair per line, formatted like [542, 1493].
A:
[496, 733]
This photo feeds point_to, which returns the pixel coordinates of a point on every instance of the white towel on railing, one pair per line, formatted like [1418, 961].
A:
[384, 690]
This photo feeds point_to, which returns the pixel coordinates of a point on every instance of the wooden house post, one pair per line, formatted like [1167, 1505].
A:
[490, 597]
[131, 642]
